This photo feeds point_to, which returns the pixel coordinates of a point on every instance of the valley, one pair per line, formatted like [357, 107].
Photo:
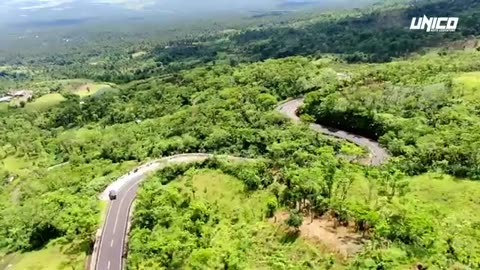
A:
[315, 139]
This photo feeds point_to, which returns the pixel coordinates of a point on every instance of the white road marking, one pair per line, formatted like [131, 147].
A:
[141, 175]
[122, 240]
[103, 234]
[120, 207]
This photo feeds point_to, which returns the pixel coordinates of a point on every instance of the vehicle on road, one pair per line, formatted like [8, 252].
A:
[112, 195]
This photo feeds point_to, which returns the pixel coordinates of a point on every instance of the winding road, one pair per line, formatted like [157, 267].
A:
[378, 154]
[110, 246]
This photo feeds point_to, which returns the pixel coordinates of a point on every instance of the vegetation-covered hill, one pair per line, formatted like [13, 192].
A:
[377, 34]
[215, 97]
[207, 220]
[427, 120]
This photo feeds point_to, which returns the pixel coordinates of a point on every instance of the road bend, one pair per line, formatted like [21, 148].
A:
[110, 249]
[378, 154]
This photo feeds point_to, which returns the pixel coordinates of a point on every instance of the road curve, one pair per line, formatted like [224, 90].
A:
[109, 248]
[378, 154]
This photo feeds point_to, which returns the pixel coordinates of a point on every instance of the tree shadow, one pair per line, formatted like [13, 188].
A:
[290, 237]
[42, 234]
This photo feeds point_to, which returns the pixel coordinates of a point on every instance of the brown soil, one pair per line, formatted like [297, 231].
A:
[83, 87]
[468, 43]
[341, 240]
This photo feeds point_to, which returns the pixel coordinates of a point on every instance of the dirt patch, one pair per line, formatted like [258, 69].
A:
[466, 44]
[16, 194]
[340, 239]
[84, 87]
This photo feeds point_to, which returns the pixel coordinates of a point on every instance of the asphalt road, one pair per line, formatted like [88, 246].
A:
[110, 249]
[378, 155]
[110, 254]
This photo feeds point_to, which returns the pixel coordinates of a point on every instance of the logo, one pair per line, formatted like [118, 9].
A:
[435, 24]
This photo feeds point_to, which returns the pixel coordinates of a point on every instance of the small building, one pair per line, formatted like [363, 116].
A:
[5, 99]
[21, 93]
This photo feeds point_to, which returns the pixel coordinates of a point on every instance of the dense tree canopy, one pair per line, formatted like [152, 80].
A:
[217, 93]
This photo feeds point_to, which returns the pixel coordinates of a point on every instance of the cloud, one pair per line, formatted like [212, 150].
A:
[35, 4]
[130, 4]
[49, 4]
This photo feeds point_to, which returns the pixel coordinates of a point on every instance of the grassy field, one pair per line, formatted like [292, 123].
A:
[269, 246]
[449, 205]
[81, 88]
[228, 193]
[49, 258]
[14, 165]
[76, 86]
[91, 89]
[242, 229]
[45, 102]
[468, 86]
[446, 197]
[452, 206]
[436, 192]
[470, 80]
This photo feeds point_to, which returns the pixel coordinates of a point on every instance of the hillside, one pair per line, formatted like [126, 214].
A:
[291, 196]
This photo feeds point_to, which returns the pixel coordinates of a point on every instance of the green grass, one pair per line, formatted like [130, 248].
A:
[444, 193]
[451, 205]
[468, 85]
[451, 197]
[49, 258]
[103, 205]
[228, 193]
[49, 100]
[241, 229]
[76, 86]
[268, 249]
[15, 165]
[448, 204]
[352, 149]
[94, 88]
[44, 102]
[59, 253]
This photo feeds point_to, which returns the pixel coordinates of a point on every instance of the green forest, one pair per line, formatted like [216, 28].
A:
[299, 199]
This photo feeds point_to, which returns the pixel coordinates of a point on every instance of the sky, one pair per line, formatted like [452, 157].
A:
[18, 13]
[18, 5]
[14, 11]
[38, 19]
[30, 6]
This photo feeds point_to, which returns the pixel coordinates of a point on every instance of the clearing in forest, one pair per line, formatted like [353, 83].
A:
[81, 88]
[342, 240]
[236, 232]
[89, 89]
[45, 102]
[54, 256]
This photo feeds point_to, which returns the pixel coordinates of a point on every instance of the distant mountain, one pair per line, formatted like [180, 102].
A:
[297, 3]
[55, 22]
[261, 14]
